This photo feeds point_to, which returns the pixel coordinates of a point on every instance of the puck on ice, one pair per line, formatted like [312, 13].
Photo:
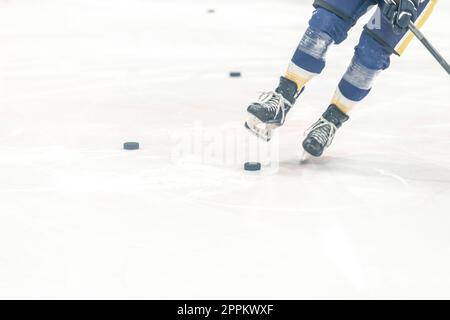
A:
[252, 166]
[235, 74]
[211, 11]
[131, 145]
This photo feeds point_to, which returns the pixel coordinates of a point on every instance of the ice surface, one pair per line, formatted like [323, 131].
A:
[81, 218]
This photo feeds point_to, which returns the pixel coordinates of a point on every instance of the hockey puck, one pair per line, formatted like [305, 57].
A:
[211, 11]
[252, 166]
[131, 145]
[235, 74]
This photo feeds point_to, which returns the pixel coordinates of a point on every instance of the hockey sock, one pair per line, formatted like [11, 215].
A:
[354, 86]
[309, 58]
[369, 60]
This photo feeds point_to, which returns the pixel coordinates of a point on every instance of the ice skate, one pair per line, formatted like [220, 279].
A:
[321, 134]
[269, 112]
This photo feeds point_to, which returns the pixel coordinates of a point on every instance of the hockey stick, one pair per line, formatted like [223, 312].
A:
[419, 35]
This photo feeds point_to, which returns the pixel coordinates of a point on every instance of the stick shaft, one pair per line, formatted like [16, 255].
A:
[419, 35]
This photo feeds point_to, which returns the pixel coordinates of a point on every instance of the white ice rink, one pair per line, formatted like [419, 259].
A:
[82, 218]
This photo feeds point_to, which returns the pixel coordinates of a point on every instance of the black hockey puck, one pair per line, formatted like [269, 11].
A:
[252, 166]
[131, 145]
[211, 11]
[235, 74]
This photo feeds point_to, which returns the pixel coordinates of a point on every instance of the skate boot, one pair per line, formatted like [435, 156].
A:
[271, 109]
[321, 134]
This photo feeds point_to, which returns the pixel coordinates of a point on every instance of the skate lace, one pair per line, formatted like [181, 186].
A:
[323, 131]
[274, 102]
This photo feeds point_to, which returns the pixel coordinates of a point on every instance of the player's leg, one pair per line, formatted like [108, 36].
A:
[372, 55]
[329, 24]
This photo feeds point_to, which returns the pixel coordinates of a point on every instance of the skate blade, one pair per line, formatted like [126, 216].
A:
[305, 157]
[260, 129]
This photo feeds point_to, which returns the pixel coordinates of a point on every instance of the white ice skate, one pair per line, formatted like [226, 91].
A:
[269, 112]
